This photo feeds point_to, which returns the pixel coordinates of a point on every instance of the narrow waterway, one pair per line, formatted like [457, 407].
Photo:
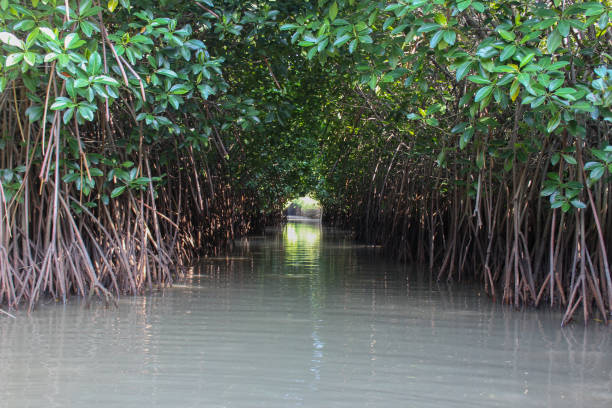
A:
[302, 317]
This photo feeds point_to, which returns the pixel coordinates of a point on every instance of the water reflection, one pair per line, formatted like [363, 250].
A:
[302, 253]
[302, 247]
[302, 318]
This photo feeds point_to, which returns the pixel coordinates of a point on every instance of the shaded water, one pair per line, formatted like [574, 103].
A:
[302, 318]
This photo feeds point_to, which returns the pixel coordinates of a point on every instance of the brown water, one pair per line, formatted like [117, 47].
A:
[302, 318]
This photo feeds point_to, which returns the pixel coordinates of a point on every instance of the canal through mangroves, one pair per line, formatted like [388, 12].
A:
[302, 317]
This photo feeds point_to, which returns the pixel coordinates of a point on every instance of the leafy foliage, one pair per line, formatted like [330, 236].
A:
[221, 111]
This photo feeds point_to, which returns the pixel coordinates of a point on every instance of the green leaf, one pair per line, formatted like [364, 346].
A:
[388, 22]
[526, 59]
[333, 11]
[24, 25]
[555, 159]
[342, 40]
[524, 79]
[567, 93]
[564, 27]
[48, 33]
[557, 65]
[94, 64]
[506, 69]
[553, 41]
[538, 101]
[557, 204]
[104, 79]
[71, 177]
[553, 123]
[392, 7]
[486, 52]
[86, 113]
[68, 115]
[61, 103]
[578, 204]
[34, 113]
[478, 6]
[206, 90]
[466, 137]
[321, 46]
[483, 93]
[593, 9]
[117, 191]
[507, 35]
[81, 83]
[603, 21]
[174, 100]
[95, 172]
[478, 79]
[459, 127]
[514, 90]
[463, 70]
[555, 84]
[112, 5]
[84, 6]
[462, 5]
[167, 72]
[11, 39]
[507, 52]
[373, 81]
[311, 53]
[436, 38]
[569, 159]
[13, 59]
[592, 165]
[400, 28]
[450, 37]
[432, 122]
[548, 191]
[480, 160]
[597, 172]
[440, 19]
[553, 176]
[427, 27]
[87, 28]
[73, 41]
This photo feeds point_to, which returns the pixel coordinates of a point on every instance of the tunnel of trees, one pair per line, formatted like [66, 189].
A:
[471, 137]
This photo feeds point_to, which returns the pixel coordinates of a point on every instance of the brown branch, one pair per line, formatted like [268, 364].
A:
[207, 9]
[272, 73]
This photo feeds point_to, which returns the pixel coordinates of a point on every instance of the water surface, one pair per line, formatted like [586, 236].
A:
[302, 317]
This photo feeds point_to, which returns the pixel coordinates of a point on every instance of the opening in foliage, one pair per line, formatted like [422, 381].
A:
[304, 207]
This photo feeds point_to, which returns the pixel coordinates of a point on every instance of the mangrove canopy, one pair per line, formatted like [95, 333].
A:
[471, 137]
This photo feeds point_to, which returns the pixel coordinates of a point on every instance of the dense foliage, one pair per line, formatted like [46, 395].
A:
[134, 135]
[474, 136]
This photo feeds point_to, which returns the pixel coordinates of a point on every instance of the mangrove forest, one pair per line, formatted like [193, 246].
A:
[471, 138]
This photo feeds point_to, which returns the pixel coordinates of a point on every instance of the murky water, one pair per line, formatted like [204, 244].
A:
[302, 318]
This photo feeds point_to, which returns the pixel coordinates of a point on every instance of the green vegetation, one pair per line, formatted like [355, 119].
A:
[472, 136]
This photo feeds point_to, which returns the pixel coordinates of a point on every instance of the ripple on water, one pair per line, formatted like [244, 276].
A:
[302, 319]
